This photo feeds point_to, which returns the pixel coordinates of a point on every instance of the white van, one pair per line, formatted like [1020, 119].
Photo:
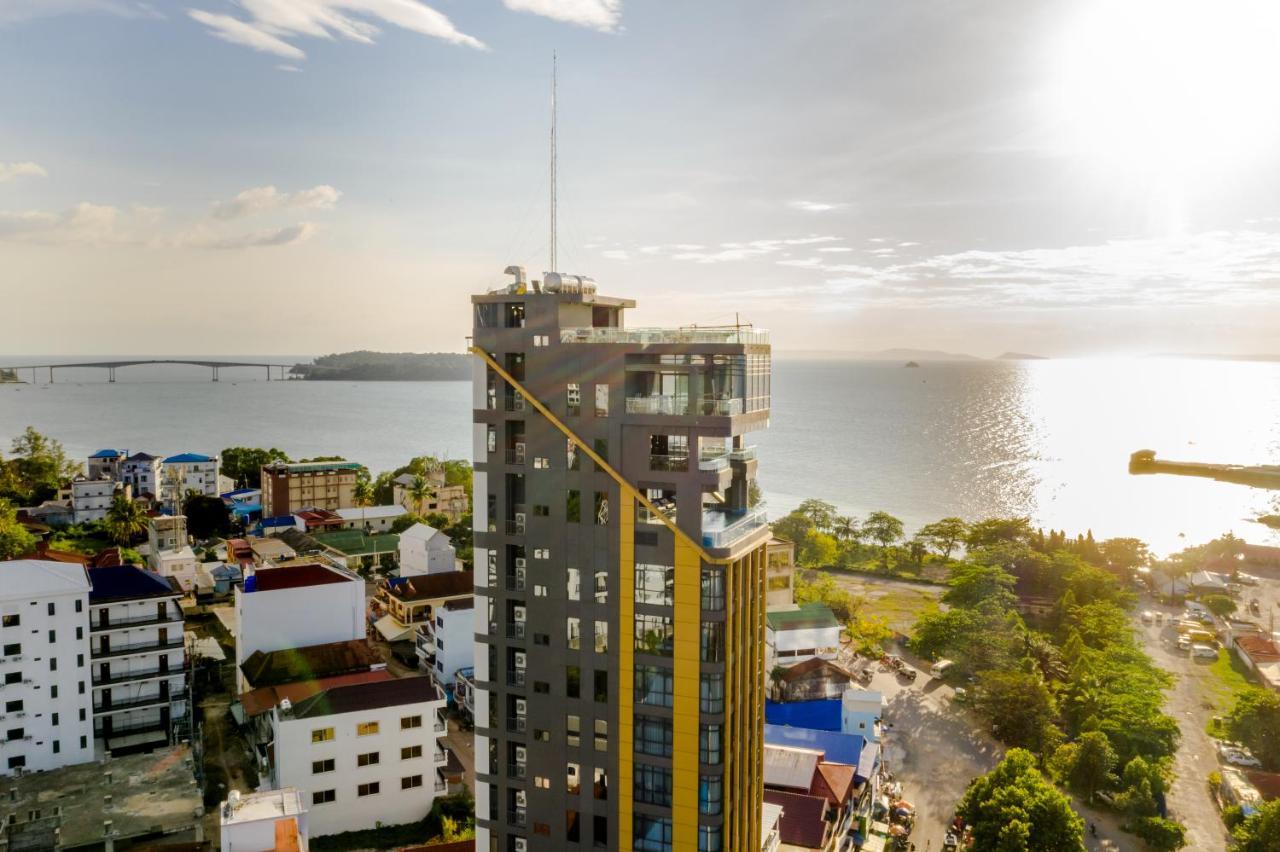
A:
[1204, 652]
[941, 668]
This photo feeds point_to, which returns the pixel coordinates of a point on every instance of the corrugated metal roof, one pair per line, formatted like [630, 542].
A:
[810, 616]
[836, 747]
[790, 768]
[369, 696]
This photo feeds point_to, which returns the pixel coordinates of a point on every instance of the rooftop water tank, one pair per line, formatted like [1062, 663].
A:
[560, 282]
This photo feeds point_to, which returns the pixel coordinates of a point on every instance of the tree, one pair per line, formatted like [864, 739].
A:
[15, 540]
[419, 491]
[125, 520]
[1163, 834]
[1220, 605]
[405, 521]
[944, 535]
[974, 584]
[206, 516]
[819, 512]
[884, 529]
[998, 531]
[243, 465]
[1125, 555]
[845, 529]
[1013, 807]
[1261, 831]
[362, 493]
[38, 468]
[1094, 763]
[1018, 704]
[1255, 721]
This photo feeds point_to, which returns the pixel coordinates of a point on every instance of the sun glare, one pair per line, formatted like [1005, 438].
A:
[1174, 89]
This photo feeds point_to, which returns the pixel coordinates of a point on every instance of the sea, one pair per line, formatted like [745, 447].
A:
[1049, 439]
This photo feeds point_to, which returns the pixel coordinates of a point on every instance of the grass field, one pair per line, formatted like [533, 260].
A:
[900, 603]
[1229, 678]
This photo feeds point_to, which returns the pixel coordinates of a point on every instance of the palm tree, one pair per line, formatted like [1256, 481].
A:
[363, 494]
[419, 491]
[125, 520]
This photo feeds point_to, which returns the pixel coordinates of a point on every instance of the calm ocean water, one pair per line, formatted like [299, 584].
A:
[1049, 439]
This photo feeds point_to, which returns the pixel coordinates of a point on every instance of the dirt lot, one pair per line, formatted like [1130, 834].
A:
[897, 600]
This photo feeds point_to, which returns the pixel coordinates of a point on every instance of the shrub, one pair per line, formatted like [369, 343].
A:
[1160, 833]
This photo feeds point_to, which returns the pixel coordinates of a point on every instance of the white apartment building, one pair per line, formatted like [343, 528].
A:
[187, 472]
[447, 642]
[426, 550]
[363, 754]
[795, 634]
[296, 606]
[45, 702]
[860, 713]
[139, 663]
[375, 519]
[91, 498]
[268, 819]
[105, 464]
[169, 554]
[141, 472]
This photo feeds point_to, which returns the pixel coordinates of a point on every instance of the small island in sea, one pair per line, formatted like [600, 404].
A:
[1021, 356]
[366, 366]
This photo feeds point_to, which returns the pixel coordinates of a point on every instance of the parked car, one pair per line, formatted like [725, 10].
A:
[1237, 756]
[1148, 617]
[1184, 644]
[1204, 652]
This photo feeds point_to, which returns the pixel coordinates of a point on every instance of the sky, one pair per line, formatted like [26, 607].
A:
[1066, 178]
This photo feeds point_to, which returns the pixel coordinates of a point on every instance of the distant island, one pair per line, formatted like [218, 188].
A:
[366, 366]
[896, 354]
[10, 377]
[1021, 356]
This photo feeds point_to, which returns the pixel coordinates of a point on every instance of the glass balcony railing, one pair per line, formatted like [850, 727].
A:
[721, 528]
[681, 406]
[714, 461]
[645, 336]
[743, 453]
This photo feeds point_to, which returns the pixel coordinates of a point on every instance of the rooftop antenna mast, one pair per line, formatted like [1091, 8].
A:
[553, 162]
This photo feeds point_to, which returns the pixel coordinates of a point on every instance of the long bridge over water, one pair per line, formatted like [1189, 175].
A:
[112, 366]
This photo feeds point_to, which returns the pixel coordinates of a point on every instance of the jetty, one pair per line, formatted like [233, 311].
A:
[1257, 476]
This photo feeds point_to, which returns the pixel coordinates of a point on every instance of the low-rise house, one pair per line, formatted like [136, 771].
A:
[168, 552]
[141, 472]
[860, 713]
[55, 513]
[1208, 582]
[1261, 655]
[403, 603]
[815, 678]
[447, 642]
[770, 827]
[244, 504]
[273, 550]
[367, 755]
[265, 820]
[288, 665]
[426, 550]
[105, 464]
[277, 525]
[803, 819]
[448, 500]
[294, 607]
[844, 767]
[44, 665]
[373, 519]
[358, 549]
[139, 662]
[802, 633]
[184, 473]
[240, 552]
[91, 498]
[215, 581]
[318, 520]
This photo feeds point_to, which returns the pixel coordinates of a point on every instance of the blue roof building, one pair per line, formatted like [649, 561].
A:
[836, 747]
[821, 715]
[107, 454]
[188, 458]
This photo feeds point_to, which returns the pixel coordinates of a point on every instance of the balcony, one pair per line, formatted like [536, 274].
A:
[137, 703]
[513, 402]
[137, 648]
[676, 464]
[515, 677]
[714, 462]
[517, 724]
[515, 455]
[646, 336]
[676, 406]
[741, 454]
[440, 786]
[515, 630]
[440, 756]
[721, 528]
[123, 623]
[147, 674]
[440, 726]
[516, 816]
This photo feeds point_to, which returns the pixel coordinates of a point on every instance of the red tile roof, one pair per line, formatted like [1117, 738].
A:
[296, 577]
[833, 782]
[803, 820]
[258, 701]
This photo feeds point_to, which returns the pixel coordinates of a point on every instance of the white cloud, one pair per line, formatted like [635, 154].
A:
[12, 11]
[287, 236]
[290, 68]
[92, 224]
[13, 170]
[743, 251]
[263, 199]
[816, 206]
[269, 25]
[616, 254]
[835, 249]
[600, 15]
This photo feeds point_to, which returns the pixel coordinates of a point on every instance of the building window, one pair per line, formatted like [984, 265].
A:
[13, 706]
[373, 788]
[13, 677]
[602, 637]
[540, 511]
[367, 759]
[711, 695]
[601, 511]
[14, 734]
[710, 795]
[655, 584]
[52, 608]
[53, 637]
[601, 685]
[652, 834]
[410, 752]
[11, 621]
[602, 735]
[712, 589]
[573, 399]
[365, 729]
[323, 797]
[602, 400]
[570, 455]
[13, 649]
[600, 783]
[542, 782]
[19, 761]
[573, 730]
[713, 641]
[602, 587]
[654, 686]
[407, 722]
[573, 584]
[653, 736]
[53, 718]
[79, 605]
[573, 681]
[322, 735]
[57, 747]
[709, 745]
[573, 506]
[410, 782]
[319, 766]
[491, 438]
[53, 664]
[655, 634]
[540, 463]
[573, 633]
[573, 778]
[653, 785]
[710, 838]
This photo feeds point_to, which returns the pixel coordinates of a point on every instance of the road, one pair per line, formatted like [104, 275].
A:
[1189, 799]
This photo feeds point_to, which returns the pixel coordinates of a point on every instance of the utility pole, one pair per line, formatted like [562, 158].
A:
[553, 162]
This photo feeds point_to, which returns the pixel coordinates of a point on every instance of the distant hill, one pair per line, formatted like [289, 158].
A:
[896, 354]
[1021, 356]
[369, 366]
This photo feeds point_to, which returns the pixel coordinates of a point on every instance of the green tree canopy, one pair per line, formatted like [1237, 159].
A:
[820, 513]
[1019, 705]
[38, 468]
[1255, 721]
[1261, 831]
[944, 536]
[1220, 605]
[995, 531]
[15, 541]
[243, 465]
[1013, 807]
[206, 516]
[882, 528]
[1094, 763]
[973, 584]
[125, 520]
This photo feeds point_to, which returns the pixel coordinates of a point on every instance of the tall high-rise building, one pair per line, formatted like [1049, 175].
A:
[620, 554]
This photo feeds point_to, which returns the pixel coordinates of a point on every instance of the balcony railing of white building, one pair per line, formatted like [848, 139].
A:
[646, 336]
